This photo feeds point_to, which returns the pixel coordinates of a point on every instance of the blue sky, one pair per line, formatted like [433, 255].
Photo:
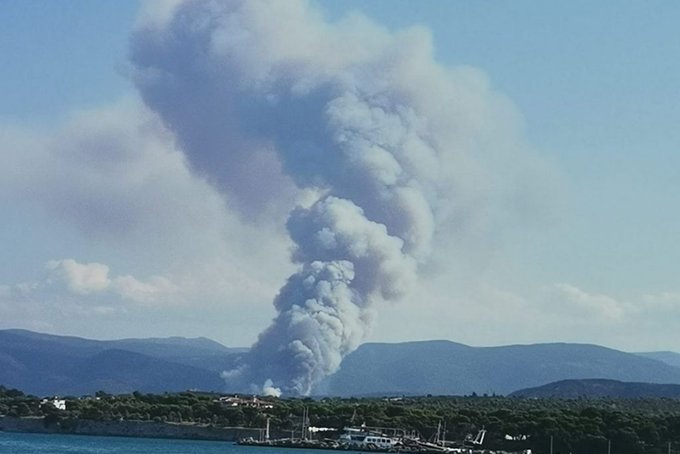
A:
[595, 91]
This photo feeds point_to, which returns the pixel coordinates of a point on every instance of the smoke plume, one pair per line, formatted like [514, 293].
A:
[267, 99]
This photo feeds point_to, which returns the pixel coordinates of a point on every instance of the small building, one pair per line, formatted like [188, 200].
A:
[252, 402]
[59, 404]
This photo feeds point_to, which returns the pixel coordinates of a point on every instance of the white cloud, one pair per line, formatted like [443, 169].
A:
[157, 288]
[92, 278]
[80, 278]
[571, 299]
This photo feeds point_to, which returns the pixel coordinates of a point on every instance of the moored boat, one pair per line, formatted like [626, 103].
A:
[361, 438]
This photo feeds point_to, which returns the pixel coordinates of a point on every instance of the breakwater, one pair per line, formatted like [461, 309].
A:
[126, 429]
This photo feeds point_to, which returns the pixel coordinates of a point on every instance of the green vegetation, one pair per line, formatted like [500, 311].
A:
[578, 425]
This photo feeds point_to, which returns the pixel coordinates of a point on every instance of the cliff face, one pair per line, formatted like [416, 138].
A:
[126, 429]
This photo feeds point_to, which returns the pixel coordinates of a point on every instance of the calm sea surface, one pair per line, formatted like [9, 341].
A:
[17, 443]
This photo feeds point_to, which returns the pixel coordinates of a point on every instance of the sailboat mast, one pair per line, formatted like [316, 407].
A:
[444, 435]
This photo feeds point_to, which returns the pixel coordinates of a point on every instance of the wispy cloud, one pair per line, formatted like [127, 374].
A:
[577, 302]
[89, 282]
[93, 278]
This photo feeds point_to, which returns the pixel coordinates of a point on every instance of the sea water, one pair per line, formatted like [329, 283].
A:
[20, 443]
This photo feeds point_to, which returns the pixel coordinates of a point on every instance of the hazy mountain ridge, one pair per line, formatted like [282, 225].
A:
[46, 364]
[167, 346]
[670, 358]
[442, 367]
[600, 388]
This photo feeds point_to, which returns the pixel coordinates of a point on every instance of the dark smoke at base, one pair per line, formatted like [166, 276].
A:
[363, 118]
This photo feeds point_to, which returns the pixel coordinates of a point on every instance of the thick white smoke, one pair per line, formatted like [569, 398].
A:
[267, 98]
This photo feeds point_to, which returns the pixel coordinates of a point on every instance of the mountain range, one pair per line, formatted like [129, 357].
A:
[44, 364]
[443, 368]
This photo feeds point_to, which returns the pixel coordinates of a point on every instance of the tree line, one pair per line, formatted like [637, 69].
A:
[632, 426]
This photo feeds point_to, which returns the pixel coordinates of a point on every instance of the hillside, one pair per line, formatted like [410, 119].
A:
[670, 358]
[445, 368]
[600, 388]
[45, 364]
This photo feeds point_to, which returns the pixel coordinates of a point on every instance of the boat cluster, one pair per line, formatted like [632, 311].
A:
[372, 440]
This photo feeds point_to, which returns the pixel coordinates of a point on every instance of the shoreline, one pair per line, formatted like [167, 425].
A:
[131, 429]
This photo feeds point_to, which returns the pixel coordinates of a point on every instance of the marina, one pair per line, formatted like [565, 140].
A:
[372, 439]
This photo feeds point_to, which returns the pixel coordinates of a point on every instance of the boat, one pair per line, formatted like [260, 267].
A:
[362, 438]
